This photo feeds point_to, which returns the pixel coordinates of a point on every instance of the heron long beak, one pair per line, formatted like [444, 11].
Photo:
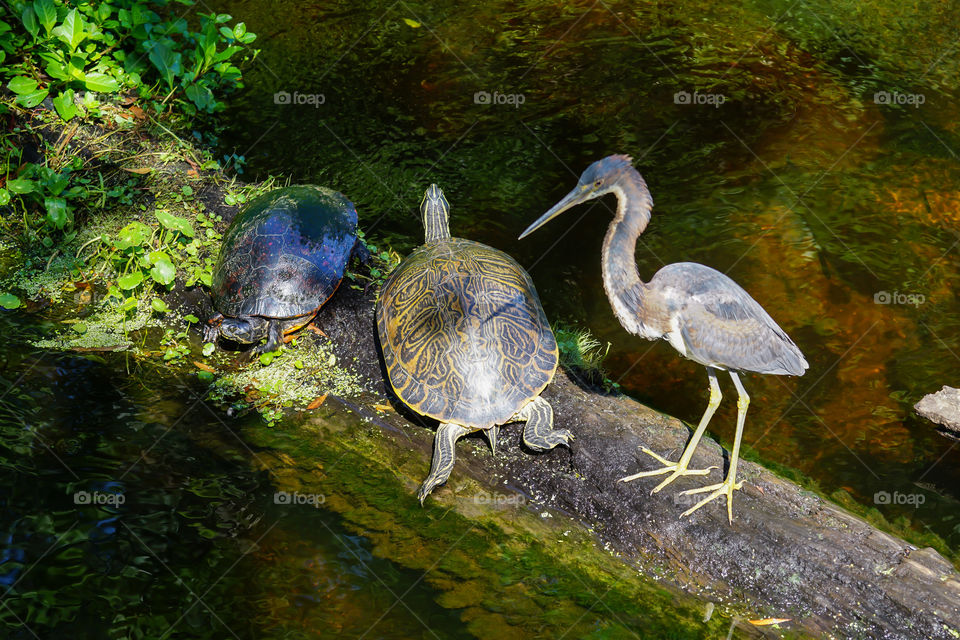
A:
[579, 195]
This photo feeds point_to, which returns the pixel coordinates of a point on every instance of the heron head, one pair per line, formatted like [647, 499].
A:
[599, 178]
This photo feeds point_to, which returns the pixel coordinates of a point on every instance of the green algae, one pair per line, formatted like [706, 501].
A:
[305, 371]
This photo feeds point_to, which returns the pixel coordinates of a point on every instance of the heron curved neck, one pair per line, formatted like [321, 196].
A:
[621, 280]
[436, 224]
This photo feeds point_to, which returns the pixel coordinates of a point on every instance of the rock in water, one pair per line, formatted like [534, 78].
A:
[942, 407]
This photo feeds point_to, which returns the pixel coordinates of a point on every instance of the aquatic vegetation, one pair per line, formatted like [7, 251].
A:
[582, 352]
[300, 375]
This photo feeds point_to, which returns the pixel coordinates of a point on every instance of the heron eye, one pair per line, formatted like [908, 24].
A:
[596, 185]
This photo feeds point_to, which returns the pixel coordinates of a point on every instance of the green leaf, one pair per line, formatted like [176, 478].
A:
[75, 68]
[9, 301]
[208, 349]
[201, 96]
[134, 234]
[4, 197]
[58, 70]
[55, 182]
[267, 358]
[412, 23]
[30, 100]
[21, 85]
[206, 376]
[163, 272]
[71, 31]
[157, 256]
[29, 18]
[80, 328]
[21, 186]
[167, 62]
[65, 105]
[159, 305]
[46, 14]
[191, 319]
[174, 223]
[56, 211]
[130, 303]
[130, 281]
[101, 82]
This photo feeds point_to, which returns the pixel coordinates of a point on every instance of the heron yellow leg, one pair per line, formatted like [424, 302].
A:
[680, 468]
[444, 455]
[728, 486]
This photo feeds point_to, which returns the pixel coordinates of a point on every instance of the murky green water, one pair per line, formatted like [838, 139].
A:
[130, 510]
[818, 184]
[808, 150]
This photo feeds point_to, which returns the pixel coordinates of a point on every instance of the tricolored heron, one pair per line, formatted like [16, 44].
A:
[701, 312]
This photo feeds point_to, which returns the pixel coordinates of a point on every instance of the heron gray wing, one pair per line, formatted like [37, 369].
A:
[715, 322]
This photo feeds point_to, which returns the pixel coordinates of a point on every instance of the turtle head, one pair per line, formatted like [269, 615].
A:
[247, 330]
[435, 212]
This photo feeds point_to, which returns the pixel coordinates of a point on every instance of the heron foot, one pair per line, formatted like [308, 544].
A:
[725, 488]
[675, 469]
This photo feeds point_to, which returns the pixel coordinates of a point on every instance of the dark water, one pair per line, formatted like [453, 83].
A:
[807, 150]
[129, 509]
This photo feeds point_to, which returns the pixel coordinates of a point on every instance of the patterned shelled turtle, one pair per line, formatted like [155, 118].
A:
[281, 259]
[465, 341]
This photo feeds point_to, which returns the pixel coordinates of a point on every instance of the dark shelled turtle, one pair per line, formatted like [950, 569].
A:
[465, 341]
[281, 259]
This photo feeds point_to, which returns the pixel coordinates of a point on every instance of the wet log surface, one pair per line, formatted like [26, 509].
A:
[788, 553]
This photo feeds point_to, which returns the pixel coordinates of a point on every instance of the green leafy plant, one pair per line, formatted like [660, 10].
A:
[379, 263]
[73, 56]
[147, 258]
[58, 48]
[582, 353]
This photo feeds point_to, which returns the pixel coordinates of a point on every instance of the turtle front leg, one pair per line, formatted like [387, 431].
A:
[444, 454]
[274, 339]
[212, 331]
[538, 433]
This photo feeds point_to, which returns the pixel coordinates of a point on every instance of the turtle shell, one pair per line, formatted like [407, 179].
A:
[463, 334]
[284, 255]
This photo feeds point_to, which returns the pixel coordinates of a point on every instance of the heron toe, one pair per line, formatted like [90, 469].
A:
[725, 488]
[675, 469]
